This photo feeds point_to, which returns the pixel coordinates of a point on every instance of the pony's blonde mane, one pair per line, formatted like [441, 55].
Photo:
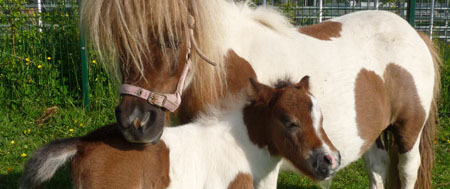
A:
[127, 29]
[124, 30]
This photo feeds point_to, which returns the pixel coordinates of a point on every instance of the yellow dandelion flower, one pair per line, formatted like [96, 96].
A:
[75, 121]
[24, 131]
[12, 142]
[29, 130]
[71, 130]
[94, 62]
[70, 135]
[81, 124]
[27, 59]
[23, 155]
[49, 58]
[448, 141]
[39, 66]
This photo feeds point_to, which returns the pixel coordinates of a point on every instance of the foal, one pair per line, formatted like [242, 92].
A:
[224, 149]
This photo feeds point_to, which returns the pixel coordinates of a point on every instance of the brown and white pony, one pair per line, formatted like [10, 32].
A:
[371, 71]
[222, 149]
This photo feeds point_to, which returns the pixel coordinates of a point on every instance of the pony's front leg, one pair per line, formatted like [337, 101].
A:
[377, 163]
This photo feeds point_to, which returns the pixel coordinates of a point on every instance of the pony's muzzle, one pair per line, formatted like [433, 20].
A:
[140, 123]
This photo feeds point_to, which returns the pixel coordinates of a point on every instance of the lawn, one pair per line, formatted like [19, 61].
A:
[20, 136]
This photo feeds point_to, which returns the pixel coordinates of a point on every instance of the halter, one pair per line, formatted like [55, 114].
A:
[164, 100]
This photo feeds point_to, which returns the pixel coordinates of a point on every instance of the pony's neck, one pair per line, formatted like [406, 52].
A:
[221, 142]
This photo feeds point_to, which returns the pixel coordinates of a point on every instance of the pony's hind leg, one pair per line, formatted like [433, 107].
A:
[408, 166]
[377, 162]
[409, 154]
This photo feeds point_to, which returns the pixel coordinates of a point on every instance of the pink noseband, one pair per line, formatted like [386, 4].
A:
[168, 101]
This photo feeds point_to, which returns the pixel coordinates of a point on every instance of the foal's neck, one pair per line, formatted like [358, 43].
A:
[220, 142]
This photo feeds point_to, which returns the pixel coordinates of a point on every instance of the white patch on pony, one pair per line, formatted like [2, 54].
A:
[377, 166]
[196, 148]
[408, 164]
[316, 116]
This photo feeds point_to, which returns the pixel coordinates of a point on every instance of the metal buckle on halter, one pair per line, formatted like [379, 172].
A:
[151, 99]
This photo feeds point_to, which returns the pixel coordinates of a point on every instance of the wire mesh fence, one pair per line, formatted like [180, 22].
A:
[40, 55]
[40, 44]
[430, 15]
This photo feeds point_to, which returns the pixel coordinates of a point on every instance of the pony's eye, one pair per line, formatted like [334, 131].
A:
[177, 42]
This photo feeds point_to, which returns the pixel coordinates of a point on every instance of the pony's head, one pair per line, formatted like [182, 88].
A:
[149, 41]
[287, 119]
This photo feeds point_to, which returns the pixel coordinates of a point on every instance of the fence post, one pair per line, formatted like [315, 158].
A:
[410, 15]
[320, 10]
[84, 66]
[431, 19]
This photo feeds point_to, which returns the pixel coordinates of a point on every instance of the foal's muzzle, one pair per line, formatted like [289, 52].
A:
[325, 164]
[140, 122]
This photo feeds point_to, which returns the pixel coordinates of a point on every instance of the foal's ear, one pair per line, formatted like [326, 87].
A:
[303, 83]
[258, 91]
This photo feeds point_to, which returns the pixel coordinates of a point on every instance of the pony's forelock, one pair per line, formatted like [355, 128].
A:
[124, 30]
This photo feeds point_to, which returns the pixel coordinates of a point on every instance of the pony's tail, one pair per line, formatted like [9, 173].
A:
[428, 136]
[426, 146]
[43, 164]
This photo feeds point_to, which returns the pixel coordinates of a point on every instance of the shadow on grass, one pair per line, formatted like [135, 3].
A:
[60, 180]
[294, 186]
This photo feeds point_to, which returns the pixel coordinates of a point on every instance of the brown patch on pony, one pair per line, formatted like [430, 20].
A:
[394, 102]
[242, 181]
[372, 107]
[408, 115]
[238, 73]
[323, 31]
[106, 160]
[428, 136]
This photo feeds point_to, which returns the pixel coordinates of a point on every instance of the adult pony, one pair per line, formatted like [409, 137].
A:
[371, 71]
[219, 150]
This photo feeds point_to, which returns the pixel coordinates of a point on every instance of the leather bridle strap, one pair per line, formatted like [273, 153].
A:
[168, 101]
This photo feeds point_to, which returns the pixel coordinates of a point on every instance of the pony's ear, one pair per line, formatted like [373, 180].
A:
[303, 83]
[258, 91]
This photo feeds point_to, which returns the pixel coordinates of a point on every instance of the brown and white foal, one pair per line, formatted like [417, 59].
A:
[222, 149]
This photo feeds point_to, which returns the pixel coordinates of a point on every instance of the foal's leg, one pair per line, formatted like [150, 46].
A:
[377, 162]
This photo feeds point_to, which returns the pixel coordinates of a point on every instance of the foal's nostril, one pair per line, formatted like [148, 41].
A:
[328, 159]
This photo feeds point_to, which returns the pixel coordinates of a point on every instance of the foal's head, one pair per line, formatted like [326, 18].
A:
[287, 119]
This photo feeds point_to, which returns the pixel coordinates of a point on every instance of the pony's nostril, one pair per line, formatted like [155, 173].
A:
[137, 123]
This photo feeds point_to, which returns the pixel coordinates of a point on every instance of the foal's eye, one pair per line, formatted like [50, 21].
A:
[290, 125]
[287, 122]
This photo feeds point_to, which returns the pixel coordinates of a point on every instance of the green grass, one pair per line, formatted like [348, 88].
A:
[14, 127]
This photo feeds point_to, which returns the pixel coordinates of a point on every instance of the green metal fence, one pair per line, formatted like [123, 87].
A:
[40, 54]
